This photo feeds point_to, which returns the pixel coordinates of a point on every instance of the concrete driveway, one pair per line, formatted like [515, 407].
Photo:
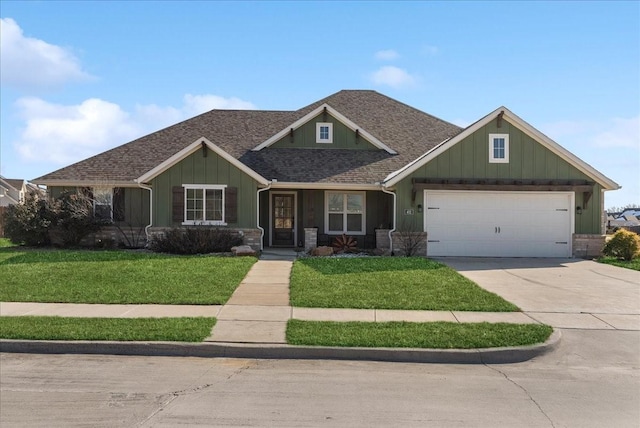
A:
[565, 293]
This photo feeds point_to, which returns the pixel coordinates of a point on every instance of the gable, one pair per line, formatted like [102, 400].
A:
[528, 159]
[305, 137]
[205, 146]
[203, 167]
[325, 110]
[532, 155]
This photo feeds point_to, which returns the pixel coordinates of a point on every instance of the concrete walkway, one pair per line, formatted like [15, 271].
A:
[258, 310]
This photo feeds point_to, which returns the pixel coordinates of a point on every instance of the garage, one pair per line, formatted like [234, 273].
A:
[498, 224]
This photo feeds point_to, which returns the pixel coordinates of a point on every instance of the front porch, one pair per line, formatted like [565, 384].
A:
[308, 218]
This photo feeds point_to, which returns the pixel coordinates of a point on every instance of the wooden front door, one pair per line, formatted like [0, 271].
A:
[283, 220]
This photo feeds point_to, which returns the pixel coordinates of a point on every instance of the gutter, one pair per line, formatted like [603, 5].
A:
[147, 227]
[258, 214]
[384, 190]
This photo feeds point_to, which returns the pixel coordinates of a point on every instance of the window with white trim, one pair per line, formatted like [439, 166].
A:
[103, 203]
[324, 132]
[204, 204]
[499, 148]
[345, 213]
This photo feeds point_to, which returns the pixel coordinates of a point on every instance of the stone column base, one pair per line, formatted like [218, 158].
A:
[587, 246]
[310, 238]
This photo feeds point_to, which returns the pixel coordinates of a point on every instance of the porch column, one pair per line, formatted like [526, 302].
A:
[310, 238]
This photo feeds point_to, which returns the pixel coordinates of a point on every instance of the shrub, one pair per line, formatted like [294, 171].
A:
[73, 218]
[195, 241]
[28, 223]
[624, 245]
[411, 241]
[68, 218]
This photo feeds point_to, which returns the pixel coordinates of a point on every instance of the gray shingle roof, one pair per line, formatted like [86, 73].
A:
[405, 129]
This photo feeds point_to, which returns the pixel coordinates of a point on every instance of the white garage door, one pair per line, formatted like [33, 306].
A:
[498, 224]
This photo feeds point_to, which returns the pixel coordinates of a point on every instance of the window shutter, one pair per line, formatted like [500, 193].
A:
[231, 205]
[118, 204]
[178, 204]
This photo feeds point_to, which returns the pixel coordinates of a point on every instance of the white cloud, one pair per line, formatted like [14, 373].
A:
[392, 76]
[609, 133]
[610, 145]
[387, 55]
[33, 63]
[62, 134]
[620, 132]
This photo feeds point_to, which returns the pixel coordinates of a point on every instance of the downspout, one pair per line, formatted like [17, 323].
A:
[258, 214]
[394, 216]
[147, 227]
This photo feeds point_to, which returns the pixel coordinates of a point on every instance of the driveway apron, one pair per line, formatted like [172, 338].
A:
[565, 293]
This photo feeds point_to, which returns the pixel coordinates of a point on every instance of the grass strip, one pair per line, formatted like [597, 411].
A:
[631, 264]
[434, 335]
[194, 329]
[80, 276]
[413, 283]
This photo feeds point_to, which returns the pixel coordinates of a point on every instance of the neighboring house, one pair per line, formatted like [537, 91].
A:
[635, 212]
[356, 163]
[13, 191]
[628, 218]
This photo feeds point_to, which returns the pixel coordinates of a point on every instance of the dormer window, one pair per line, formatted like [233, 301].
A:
[324, 133]
[498, 148]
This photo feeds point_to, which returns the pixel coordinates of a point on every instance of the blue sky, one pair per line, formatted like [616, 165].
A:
[78, 78]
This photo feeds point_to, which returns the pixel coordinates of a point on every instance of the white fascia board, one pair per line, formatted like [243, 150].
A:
[323, 186]
[397, 176]
[192, 148]
[333, 112]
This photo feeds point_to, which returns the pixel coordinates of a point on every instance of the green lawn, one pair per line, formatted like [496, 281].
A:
[73, 276]
[436, 335]
[117, 329]
[388, 283]
[632, 264]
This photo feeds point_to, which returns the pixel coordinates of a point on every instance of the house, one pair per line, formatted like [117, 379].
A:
[629, 218]
[13, 191]
[357, 163]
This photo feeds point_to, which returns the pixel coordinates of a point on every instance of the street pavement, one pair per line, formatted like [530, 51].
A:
[591, 380]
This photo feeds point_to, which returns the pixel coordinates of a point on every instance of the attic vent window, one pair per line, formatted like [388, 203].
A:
[498, 148]
[324, 133]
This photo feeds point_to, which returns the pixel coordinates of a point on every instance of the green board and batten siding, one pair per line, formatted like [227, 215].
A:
[305, 137]
[528, 159]
[136, 206]
[199, 169]
[136, 203]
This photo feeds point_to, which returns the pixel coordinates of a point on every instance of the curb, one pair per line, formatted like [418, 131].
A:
[274, 351]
